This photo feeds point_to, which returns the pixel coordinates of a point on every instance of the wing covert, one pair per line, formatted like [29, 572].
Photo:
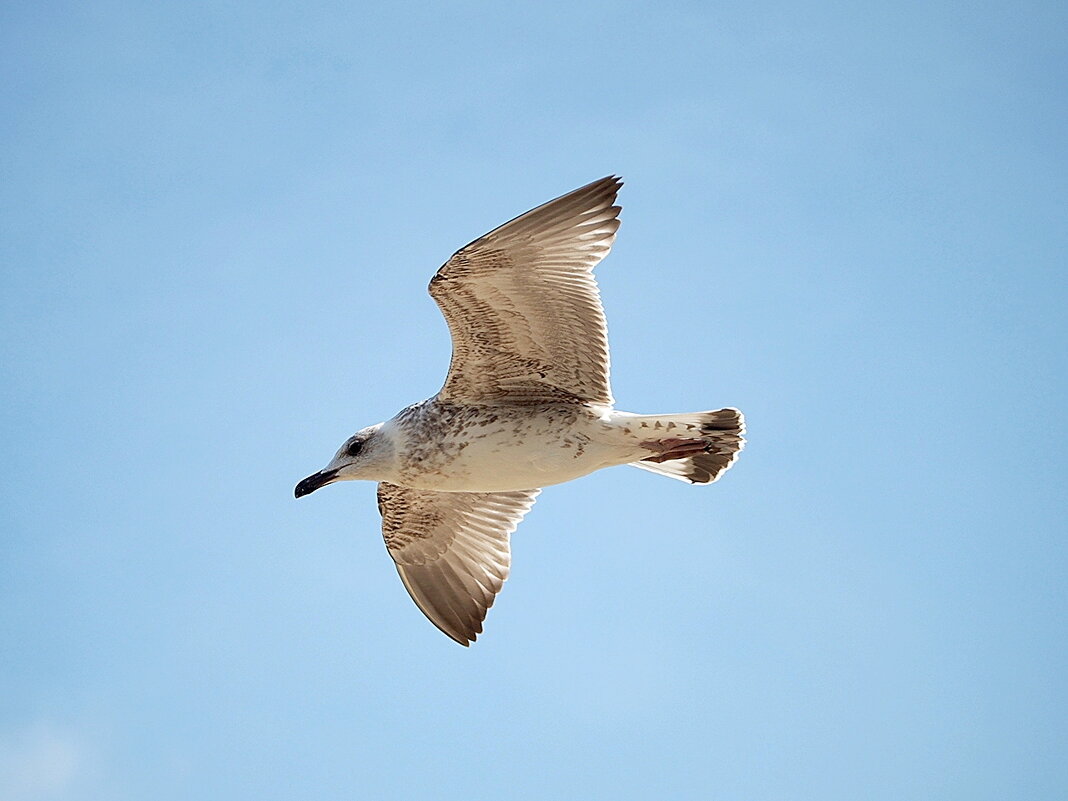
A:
[523, 306]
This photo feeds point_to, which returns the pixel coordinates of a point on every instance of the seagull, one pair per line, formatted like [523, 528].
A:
[526, 404]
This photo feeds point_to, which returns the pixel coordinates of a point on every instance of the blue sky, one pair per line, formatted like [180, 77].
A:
[846, 220]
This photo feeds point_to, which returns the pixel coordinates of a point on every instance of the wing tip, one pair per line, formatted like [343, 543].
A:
[461, 640]
[613, 183]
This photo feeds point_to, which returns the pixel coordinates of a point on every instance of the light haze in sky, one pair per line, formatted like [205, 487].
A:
[217, 223]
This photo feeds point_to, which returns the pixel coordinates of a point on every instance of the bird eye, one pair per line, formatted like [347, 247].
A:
[353, 448]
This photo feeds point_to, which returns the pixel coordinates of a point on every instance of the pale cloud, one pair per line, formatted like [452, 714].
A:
[40, 762]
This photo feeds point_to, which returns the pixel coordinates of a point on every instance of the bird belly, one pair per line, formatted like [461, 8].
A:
[498, 452]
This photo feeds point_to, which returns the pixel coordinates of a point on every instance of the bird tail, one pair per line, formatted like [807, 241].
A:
[696, 448]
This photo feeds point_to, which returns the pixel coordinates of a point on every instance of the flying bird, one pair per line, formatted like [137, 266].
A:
[526, 404]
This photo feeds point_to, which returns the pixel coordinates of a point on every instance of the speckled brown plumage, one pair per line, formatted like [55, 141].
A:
[523, 308]
[527, 403]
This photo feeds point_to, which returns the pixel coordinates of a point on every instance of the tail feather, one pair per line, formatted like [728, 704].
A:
[720, 430]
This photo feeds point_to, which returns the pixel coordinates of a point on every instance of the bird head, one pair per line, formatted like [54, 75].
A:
[361, 456]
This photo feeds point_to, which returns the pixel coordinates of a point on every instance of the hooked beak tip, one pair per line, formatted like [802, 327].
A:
[313, 482]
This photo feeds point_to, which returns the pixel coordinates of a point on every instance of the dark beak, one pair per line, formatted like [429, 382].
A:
[313, 482]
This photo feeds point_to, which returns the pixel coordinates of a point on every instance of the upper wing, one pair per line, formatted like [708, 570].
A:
[451, 550]
[523, 307]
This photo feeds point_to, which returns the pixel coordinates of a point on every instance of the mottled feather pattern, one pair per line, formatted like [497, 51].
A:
[523, 307]
[527, 403]
[452, 549]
